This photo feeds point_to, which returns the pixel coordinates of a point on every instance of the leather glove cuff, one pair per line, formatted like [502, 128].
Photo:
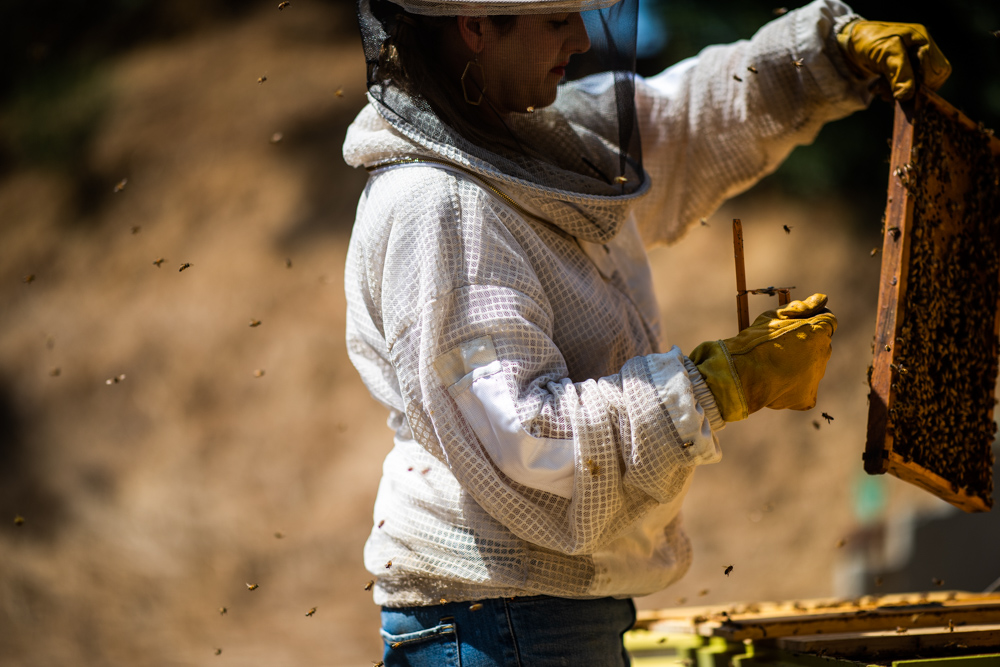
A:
[715, 364]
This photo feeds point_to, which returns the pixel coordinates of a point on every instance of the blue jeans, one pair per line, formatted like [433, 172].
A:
[509, 632]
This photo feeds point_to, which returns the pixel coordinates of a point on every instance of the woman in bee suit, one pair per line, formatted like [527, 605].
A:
[501, 308]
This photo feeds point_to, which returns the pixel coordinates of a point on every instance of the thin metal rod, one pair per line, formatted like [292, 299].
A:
[742, 298]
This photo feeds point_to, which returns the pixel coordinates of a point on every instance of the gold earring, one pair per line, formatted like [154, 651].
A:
[482, 75]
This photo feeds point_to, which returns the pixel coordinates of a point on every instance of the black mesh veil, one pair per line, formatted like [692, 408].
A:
[542, 92]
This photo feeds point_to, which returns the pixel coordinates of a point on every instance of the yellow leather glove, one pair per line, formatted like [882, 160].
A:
[776, 362]
[902, 53]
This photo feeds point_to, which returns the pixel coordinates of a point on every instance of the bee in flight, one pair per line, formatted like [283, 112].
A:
[282, 5]
[158, 262]
[254, 323]
[729, 568]
[311, 611]
[222, 611]
[185, 265]
[368, 586]
[252, 587]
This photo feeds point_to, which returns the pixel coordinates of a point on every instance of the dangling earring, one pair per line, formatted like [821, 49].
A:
[482, 75]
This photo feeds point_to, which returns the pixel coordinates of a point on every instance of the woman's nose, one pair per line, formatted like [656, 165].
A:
[579, 40]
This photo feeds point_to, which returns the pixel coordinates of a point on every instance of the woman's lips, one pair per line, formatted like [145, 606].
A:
[559, 69]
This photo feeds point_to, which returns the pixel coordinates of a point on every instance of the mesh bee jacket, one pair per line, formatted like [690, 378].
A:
[544, 432]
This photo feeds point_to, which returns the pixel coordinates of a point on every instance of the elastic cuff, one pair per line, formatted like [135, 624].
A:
[704, 396]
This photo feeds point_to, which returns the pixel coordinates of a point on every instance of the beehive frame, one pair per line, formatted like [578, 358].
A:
[944, 170]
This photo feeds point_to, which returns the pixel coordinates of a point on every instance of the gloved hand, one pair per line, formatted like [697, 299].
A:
[902, 53]
[776, 362]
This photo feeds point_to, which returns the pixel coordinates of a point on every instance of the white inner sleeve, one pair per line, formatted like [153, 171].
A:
[485, 401]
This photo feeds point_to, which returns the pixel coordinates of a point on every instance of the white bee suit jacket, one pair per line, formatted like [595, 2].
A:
[545, 435]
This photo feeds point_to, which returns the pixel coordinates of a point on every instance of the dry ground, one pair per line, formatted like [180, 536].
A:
[149, 503]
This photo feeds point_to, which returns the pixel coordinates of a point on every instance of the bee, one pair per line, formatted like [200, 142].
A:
[254, 323]
[799, 62]
[277, 137]
[381, 523]
[368, 586]
[378, 664]
[878, 582]
[703, 592]
[900, 629]
[158, 262]
[120, 185]
[425, 470]
[339, 92]
[28, 279]
[278, 534]
[18, 520]
[815, 424]
[937, 582]
[395, 644]
[704, 223]
[116, 379]
[282, 5]
[218, 651]
[136, 229]
[252, 587]
[593, 467]
[682, 600]
[443, 601]
[388, 564]
[530, 109]
[222, 611]
[752, 69]
[689, 443]
[995, 33]
[261, 79]
[259, 373]
[185, 265]
[779, 11]
[620, 179]
[787, 228]
[729, 568]
[55, 372]
[737, 78]
[828, 418]
[951, 625]
[841, 542]
[874, 252]
[888, 348]
[311, 611]
[288, 262]
[476, 607]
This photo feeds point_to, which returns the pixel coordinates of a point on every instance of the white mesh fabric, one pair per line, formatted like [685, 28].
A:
[438, 260]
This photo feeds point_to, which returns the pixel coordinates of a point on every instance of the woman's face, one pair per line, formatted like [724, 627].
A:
[523, 65]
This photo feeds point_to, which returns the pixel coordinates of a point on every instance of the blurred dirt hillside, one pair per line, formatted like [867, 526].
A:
[170, 436]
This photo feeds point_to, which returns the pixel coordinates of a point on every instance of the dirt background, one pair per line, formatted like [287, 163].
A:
[151, 502]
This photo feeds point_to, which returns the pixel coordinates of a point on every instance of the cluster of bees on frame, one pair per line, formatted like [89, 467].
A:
[941, 412]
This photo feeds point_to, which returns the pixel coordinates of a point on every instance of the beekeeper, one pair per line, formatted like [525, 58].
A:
[500, 303]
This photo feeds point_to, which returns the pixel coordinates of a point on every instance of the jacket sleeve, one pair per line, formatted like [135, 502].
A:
[711, 127]
[566, 465]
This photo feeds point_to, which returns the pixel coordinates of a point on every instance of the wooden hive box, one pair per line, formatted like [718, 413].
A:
[934, 371]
